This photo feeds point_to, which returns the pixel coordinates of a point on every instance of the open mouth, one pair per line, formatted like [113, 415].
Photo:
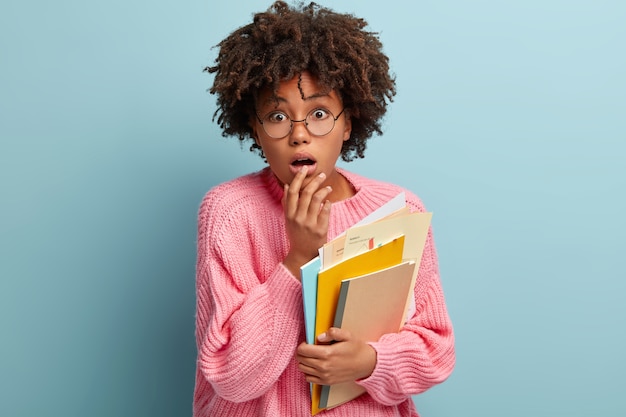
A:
[302, 162]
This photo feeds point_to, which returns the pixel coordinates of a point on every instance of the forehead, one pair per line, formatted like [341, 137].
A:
[303, 87]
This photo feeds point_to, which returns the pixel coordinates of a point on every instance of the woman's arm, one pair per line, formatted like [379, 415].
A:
[422, 354]
[247, 326]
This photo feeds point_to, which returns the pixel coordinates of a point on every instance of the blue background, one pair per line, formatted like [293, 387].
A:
[509, 123]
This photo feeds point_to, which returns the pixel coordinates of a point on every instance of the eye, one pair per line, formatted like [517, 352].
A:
[276, 117]
[319, 115]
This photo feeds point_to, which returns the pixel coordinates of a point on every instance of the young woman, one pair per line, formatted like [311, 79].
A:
[305, 86]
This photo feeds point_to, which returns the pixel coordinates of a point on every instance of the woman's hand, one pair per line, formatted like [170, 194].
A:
[347, 359]
[307, 211]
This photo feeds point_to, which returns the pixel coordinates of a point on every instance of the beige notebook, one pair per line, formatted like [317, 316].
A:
[370, 306]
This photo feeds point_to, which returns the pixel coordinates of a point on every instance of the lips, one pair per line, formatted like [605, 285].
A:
[303, 160]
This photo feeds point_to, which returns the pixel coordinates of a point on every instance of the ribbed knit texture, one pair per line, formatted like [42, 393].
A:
[249, 318]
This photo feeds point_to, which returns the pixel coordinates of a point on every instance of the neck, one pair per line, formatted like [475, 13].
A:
[342, 188]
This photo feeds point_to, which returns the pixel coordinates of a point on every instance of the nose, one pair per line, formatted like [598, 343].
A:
[299, 133]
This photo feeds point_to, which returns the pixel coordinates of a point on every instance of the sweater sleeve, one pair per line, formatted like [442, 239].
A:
[247, 325]
[422, 354]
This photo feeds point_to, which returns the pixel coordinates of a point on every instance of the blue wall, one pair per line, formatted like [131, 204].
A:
[510, 123]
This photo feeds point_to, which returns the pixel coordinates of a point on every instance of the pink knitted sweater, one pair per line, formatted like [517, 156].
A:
[249, 317]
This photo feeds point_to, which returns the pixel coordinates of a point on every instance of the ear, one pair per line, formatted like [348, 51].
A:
[256, 137]
[253, 126]
[347, 126]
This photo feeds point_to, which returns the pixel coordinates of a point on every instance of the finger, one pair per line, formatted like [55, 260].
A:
[307, 369]
[334, 334]
[314, 379]
[298, 179]
[284, 199]
[318, 200]
[303, 351]
[291, 195]
[315, 374]
[324, 215]
[310, 196]
[307, 352]
[309, 366]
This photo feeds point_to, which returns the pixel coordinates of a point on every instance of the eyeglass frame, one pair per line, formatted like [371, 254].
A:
[306, 125]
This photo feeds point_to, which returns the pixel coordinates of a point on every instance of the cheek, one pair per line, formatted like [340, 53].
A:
[274, 158]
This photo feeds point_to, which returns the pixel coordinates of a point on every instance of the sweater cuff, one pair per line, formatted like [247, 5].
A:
[384, 371]
[286, 290]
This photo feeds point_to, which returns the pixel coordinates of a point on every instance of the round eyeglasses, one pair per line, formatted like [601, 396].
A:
[319, 122]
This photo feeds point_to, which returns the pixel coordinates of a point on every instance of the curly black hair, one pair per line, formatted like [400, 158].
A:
[285, 41]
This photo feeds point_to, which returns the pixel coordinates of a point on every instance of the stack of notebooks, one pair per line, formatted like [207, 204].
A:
[363, 281]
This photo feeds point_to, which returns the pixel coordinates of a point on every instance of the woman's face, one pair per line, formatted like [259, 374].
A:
[297, 100]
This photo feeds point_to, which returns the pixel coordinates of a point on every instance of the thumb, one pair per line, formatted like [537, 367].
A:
[334, 334]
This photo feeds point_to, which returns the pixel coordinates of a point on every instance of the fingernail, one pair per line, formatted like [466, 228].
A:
[322, 175]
